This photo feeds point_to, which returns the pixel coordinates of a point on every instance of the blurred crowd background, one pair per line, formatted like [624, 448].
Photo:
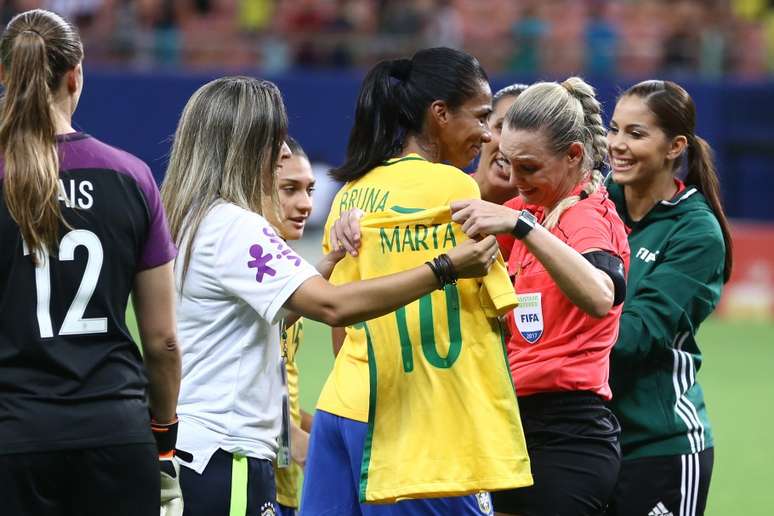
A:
[629, 38]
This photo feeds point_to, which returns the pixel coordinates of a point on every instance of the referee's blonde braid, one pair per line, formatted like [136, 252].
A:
[594, 144]
[568, 112]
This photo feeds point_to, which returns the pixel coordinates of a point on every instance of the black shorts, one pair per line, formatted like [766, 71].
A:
[230, 484]
[659, 486]
[117, 480]
[572, 440]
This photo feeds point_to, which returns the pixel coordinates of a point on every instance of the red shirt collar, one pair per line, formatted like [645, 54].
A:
[680, 186]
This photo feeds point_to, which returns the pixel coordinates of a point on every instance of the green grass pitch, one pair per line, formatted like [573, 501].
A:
[738, 381]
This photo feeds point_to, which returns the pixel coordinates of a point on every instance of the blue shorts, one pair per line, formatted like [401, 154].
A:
[284, 510]
[332, 477]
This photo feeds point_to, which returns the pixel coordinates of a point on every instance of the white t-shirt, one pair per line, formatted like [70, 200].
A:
[239, 276]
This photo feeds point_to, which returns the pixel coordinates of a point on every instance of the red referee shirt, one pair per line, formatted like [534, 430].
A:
[554, 345]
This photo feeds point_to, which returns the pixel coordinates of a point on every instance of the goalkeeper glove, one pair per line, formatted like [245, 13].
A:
[171, 495]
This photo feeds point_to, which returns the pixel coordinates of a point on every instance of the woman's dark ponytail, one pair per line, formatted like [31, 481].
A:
[393, 102]
[375, 135]
[701, 173]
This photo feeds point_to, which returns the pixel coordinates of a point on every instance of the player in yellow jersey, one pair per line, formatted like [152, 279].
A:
[237, 279]
[419, 412]
[295, 182]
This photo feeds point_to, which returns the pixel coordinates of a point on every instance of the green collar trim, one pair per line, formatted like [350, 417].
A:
[410, 157]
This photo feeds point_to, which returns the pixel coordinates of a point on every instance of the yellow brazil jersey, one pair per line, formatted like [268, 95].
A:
[287, 478]
[406, 183]
[431, 378]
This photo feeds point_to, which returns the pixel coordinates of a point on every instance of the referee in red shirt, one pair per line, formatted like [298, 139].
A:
[567, 250]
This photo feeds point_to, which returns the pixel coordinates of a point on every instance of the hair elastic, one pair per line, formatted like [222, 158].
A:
[401, 69]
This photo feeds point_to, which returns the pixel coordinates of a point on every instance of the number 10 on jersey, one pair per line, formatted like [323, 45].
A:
[427, 331]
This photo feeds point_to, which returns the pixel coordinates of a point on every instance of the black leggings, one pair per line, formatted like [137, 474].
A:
[572, 440]
[120, 480]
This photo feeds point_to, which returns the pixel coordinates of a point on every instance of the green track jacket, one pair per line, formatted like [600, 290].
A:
[675, 280]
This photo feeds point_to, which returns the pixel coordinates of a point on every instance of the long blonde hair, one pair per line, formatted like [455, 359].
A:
[566, 113]
[226, 148]
[36, 50]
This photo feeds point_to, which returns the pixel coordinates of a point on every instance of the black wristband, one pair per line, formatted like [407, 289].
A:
[440, 269]
[165, 435]
[436, 272]
[446, 269]
[452, 272]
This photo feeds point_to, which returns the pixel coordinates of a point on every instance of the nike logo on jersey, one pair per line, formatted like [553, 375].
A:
[646, 256]
[403, 209]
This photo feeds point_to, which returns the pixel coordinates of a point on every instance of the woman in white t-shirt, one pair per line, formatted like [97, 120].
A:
[237, 278]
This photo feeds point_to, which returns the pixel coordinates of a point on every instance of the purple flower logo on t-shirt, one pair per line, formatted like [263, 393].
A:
[261, 263]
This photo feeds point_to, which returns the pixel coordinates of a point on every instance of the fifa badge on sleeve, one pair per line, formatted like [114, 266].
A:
[529, 316]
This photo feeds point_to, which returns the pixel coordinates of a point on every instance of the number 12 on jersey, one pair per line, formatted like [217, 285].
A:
[74, 323]
[427, 331]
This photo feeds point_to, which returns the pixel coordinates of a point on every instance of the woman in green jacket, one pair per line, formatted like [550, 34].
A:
[681, 257]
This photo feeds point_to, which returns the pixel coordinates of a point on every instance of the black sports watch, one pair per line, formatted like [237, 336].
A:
[524, 224]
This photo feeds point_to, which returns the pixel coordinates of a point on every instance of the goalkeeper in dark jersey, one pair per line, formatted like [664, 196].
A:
[81, 226]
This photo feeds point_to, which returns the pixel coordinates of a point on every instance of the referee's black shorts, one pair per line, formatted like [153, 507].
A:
[118, 480]
[659, 486]
[572, 440]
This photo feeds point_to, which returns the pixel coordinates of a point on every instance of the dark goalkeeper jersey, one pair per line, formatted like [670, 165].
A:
[70, 374]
